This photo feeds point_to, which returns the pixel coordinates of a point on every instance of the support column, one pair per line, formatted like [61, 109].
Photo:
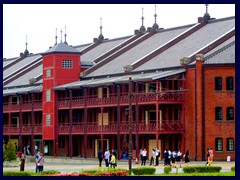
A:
[20, 123]
[85, 123]
[70, 124]
[118, 122]
[32, 125]
[137, 122]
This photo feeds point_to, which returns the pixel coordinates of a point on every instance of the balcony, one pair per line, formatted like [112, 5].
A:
[112, 100]
[25, 130]
[26, 106]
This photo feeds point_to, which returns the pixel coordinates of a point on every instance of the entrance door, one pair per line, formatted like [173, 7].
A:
[152, 145]
[98, 145]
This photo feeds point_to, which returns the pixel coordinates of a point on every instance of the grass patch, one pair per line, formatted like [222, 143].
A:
[199, 174]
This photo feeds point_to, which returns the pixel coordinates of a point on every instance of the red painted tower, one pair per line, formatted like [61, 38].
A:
[61, 65]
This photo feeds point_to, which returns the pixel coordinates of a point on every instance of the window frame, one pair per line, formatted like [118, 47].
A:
[228, 113]
[219, 144]
[217, 85]
[228, 83]
[48, 72]
[67, 64]
[230, 144]
[48, 95]
[48, 119]
[217, 115]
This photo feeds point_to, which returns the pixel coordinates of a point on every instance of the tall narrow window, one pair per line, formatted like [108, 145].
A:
[229, 83]
[218, 83]
[48, 95]
[48, 119]
[219, 144]
[230, 113]
[48, 73]
[230, 144]
[218, 113]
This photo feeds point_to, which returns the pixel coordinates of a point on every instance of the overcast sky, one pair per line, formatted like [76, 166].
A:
[39, 22]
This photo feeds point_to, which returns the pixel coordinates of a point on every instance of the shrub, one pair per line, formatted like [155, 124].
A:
[167, 170]
[143, 170]
[200, 169]
[233, 168]
[9, 151]
[18, 173]
[50, 172]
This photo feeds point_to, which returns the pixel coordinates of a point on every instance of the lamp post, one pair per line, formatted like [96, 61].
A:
[130, 126]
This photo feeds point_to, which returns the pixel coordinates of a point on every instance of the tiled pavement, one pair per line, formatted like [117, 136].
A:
[78, 164]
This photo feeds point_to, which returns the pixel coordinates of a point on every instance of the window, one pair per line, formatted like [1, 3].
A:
[67, 63]
[230, 113]
[218, 113]
[48, 73]
[218, 83]
[229, 83]
[48, 95]
[230, 144]
[48, 119]
[219, 144]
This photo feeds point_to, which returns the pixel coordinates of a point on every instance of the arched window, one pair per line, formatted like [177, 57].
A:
[219, 144]
[230, 113]
[218, 113]
[230, 144]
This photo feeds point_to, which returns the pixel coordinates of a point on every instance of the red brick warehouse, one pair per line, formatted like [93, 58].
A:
[170, 88]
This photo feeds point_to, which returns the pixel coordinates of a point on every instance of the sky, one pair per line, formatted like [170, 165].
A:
[39, 22]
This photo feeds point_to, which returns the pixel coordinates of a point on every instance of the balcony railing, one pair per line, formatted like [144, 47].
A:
[152, 97]
[25, 129]
[26, 106]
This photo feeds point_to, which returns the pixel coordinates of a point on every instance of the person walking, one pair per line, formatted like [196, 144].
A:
[22, 162]
[113, 160]
[144, 157]
[157, 156]
[36, 161]
[179, 158]
[208, 155]
[153, 156]
[211, 155]
[106, 157]
[186, 157]
[173, 158]
[100, 157]
[40, 163]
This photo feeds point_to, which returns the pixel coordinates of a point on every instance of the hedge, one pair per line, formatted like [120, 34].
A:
[233, 168]
[167, 170]
[143, 170]
[200, 169]
[18, 173]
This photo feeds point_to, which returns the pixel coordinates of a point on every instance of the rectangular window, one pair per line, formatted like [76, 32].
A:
[218, 113]
[230, 144]
[230, 113]
[48, 73]
[48, 119]
[48, 95]
[61, 142]
[67, 63]
[218, 83]
[219, 144]
[229, 83]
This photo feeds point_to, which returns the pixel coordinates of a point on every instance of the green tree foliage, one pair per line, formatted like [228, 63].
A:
[9, 151]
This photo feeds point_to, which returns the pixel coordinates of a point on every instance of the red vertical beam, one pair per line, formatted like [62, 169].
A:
[55, 141]
[70, 123]
[137, 121]
[183, 118]
[118, 121]
[85, 122]
[130, 124]
[102, 140]
[20, 122]
[32, 124]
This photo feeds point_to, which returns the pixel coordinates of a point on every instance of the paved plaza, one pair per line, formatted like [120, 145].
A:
[69, 165]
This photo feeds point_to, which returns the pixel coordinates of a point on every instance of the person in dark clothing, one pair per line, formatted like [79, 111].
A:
[23, 161]
[100, 157]
[187, 161]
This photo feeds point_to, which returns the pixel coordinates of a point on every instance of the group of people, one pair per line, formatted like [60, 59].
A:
[110, 158]
[171, 158]
[39, 160]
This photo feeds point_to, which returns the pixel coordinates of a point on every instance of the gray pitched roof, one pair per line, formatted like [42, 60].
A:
[189, 46]
[61, 48]
[22, 90]
[140, 50]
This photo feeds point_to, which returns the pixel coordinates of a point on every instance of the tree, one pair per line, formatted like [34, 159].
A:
[9, 151]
